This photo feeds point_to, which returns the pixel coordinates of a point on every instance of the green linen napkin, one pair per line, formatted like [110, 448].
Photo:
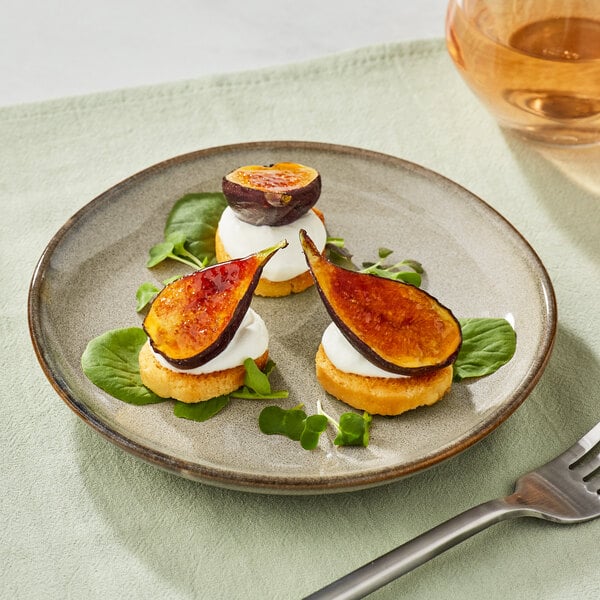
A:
[82, 519]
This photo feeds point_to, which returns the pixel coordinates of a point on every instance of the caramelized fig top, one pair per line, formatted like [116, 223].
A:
[396, 326]
[194, 318]
[275, 194]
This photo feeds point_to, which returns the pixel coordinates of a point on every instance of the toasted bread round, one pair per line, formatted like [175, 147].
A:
[382, 395]
[188, 387]
[265, 286]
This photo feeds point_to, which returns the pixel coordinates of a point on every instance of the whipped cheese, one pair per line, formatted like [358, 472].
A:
[241, 239]
[344, 357]
[251, 340]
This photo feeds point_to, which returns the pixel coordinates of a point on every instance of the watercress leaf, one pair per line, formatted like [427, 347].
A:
[200, 411]
[276, 420]
[353, 429]
[256, 383]
[245, 393]
[409, 277]
[294, 421]
[110, 362]
[336, 241]
[255, 379]
[180, 252]
[197, 216]
[392, 273]
[340, 256]
[269, 367]
[415, 265]
[177, 239]
[144, 295]
[488, 343]
[158, 253]
[314, 426]
[316, 423]
[384, 252]
[271, 420]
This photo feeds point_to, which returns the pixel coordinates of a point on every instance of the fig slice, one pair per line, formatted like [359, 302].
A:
[274, 195]
[194, 318]
[393, 324]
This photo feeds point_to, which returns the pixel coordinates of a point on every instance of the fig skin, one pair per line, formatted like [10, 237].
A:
[194, 318]
[273, 195]
[395, 325]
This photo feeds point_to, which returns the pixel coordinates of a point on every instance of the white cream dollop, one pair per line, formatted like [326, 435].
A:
[344, 357]
[251, 340]
[241, 239]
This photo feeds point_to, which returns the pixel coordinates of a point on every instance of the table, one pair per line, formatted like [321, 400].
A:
[56, 49]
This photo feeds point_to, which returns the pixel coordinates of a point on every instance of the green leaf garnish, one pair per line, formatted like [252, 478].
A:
[245, 393]
[488, 343]
[200, 411]
[196, 216]
[146, 292]
[189, 234]
[110, 361]
[336, 253]
[256, 383]
[160, 252]
[415, 265]
[294, 424]
[407, 270]
[144, 295]
[179, 240]
[314, 426]
[274, 420]
[255, 379]
[336, 241]
[388, 273]
[352, 428]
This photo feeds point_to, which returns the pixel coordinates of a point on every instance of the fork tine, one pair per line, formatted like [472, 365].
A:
[590, 466]
[584, 445]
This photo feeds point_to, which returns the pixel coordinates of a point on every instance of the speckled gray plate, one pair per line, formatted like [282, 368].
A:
[476, 263]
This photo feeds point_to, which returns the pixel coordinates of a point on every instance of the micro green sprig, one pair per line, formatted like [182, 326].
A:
[406, 270]
[352, 429]
[293, 423]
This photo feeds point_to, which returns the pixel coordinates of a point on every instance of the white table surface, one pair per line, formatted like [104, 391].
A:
[56, 48]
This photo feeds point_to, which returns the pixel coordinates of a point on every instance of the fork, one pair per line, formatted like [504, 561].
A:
[565, 490]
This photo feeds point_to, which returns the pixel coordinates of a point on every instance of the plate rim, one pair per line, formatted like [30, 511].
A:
[285, 484]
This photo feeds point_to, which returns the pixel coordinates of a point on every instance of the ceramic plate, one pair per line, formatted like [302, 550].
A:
[476, 263]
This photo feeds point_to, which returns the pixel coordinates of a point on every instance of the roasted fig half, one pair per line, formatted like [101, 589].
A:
[272, 195]
[194, 318]
[396, 326]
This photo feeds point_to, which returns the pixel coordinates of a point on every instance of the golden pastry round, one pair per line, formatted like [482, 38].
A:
[266, 287]
[380, 395]
[188, 387]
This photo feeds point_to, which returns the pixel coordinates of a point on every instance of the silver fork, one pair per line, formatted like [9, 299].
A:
[565, 490]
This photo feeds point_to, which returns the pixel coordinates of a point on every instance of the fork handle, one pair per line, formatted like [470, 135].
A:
[417, 551]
